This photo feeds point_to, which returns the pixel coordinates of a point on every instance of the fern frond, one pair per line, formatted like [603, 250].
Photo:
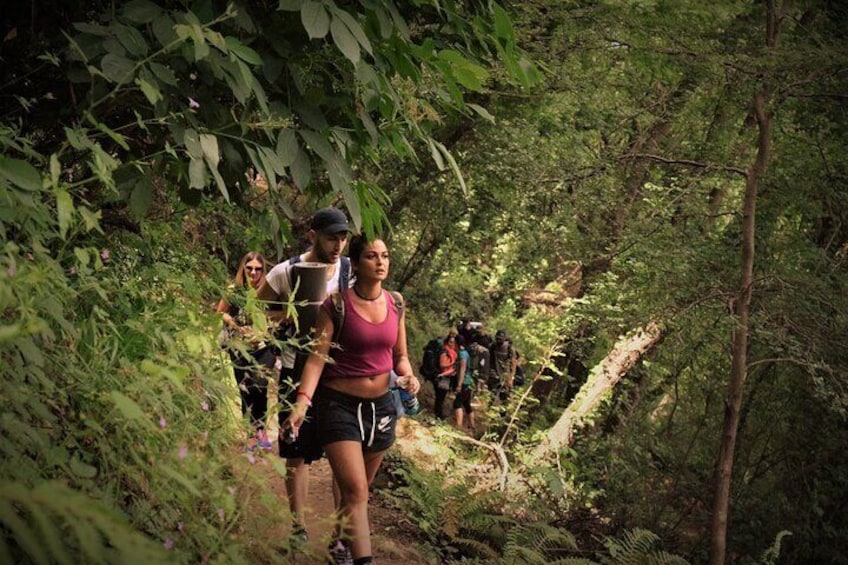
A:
[637, 548]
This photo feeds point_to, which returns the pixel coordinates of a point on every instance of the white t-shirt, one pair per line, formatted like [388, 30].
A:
[279, 279]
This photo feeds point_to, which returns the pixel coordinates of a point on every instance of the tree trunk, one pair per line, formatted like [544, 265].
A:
[626, 353]
[739, 364]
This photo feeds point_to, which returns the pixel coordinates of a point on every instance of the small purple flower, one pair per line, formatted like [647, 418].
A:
[180, 526]
[221, 514]
[192, 103]
[183, 453]
[205, 406]
[163, 422]
[72, 271]
[10, 271]
[169, 543]
[251, 458]
[105, 254]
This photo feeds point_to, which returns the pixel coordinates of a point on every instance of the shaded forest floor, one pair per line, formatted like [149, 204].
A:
[396, 538]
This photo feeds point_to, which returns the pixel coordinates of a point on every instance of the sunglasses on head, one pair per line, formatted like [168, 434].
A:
[254, 269]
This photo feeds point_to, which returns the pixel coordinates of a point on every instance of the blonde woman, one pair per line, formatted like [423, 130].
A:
[254, 359]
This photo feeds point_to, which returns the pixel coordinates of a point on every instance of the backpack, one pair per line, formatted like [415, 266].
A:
[339, 311]
[429, 368]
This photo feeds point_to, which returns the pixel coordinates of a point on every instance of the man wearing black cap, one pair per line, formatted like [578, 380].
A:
[328, 233]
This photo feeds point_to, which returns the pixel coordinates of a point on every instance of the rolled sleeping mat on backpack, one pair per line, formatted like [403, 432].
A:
[310, 281]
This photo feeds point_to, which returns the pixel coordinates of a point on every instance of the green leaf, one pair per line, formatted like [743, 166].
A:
[342, 185]
[318, 144]
[209, 146]
[64, 210]
[290, 5]
[127, 406]
[197, 173]
[163, 73]
[141, 11]
[163, 29]
[301, 169]
[82, 470]
[243, 52]
[115, 136]
[192, 144]
[503, 25]
[344, 40]
[354, 28]
[315, 19]
[117, 68]
[436, 155]
[141, 197]
[93, 29]
[151, 92]
[482, 112]
[20, 173]
[287, 147]
[131, 39]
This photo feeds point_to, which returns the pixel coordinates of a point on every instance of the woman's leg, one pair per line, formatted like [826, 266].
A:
[354, 470]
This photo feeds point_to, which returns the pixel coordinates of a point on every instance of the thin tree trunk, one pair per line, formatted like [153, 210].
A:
[623, 356]
[739, 370]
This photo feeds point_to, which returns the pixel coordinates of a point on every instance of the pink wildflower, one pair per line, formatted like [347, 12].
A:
[183, 453]
[251, 458]
[221, 514]
[169, 543]
[105, 254]
[205, 406]
[10, 271]
[192, 103]
[163, 422]
[180, 526]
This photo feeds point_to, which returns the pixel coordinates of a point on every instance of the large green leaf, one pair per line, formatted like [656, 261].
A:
[64, 210]
[344, 40]
[141, 197]
[141, 11]
[117, 68]
[131, 39]
[315, 19]
[20, 173]
[242, 51]
[287, 146]
[354, 28]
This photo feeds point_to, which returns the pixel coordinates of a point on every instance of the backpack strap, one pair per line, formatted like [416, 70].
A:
[338, 314]
[399, 303]
[344, 274]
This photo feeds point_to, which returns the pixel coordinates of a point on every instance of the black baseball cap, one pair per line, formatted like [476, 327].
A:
[329, 221]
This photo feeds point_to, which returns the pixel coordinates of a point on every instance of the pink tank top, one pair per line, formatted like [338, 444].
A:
[365, 348]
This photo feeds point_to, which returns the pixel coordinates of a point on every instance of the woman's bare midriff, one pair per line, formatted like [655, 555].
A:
[363, 387]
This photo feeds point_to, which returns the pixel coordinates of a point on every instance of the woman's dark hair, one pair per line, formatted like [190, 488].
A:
[357, 245]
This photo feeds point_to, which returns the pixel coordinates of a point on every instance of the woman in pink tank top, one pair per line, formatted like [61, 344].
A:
[355, 413]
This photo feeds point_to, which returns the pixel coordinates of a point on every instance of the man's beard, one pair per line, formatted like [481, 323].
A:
[323, 256]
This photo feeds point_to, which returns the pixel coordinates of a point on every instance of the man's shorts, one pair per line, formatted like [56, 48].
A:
[306, 446]
[342, 417]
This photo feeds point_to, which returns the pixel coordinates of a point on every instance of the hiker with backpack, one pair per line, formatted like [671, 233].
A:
[328, 233]
[466, 384]
[446, 378]
[502, 368]
[354, 410]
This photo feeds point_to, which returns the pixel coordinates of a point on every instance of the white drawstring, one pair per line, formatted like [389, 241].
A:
[373, 423]
[362, 427]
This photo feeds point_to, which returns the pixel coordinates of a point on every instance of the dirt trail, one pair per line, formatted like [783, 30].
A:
[390, 544]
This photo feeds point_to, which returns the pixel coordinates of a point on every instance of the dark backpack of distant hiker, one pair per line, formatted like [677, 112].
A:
[429, 368]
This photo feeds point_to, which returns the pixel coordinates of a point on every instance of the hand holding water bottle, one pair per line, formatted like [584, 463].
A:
[409, 386]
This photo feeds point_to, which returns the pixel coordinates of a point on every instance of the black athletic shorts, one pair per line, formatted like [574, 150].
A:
[306, 446]
[370, 421]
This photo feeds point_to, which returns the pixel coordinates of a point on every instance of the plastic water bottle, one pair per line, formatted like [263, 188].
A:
[410, 401]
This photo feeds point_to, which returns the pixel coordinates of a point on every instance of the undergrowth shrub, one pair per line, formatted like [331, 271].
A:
[117, 413]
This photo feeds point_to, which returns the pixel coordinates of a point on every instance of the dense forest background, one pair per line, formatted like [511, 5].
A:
[650, 196]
